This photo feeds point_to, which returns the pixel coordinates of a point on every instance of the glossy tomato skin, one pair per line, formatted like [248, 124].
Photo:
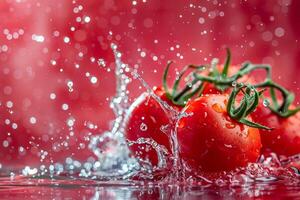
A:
[145, 119]
[211, 141]
[284, 138]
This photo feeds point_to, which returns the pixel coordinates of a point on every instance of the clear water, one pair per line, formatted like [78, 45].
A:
[117, 174]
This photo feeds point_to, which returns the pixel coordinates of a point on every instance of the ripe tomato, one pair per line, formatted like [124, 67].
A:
[145, 119]
[284, 138]
[211, 141]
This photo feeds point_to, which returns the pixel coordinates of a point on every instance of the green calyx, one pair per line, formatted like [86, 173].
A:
[181, 98]
[247, 105]
[221, 76]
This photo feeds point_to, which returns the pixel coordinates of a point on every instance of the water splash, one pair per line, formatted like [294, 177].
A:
[169, 129]
[114, 156]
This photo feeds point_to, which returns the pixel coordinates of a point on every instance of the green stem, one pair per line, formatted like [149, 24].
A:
[247, 105]
[165, 84]
[177, 98]
[247, 68]
[227, 63]
[187, 88]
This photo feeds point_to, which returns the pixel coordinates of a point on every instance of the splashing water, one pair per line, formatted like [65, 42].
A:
[114, 159]
[111, 148]
[174, 116]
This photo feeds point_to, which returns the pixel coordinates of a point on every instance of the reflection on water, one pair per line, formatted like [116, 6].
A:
[44, 188]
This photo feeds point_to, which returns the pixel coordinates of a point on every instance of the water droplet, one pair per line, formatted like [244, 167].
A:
[32, 120]
[70, 85]
[101, 62]
[66, 39]
[279, 32]
[38, 38]
[14, 125]
[266, 102]
[201, 20]
[113, 46]
[52, 96]
[230, 125]
[9, 104]
[87, 19]
[94, 80]
[228, 145]
[71, 122]
[143, 54]
[143, 127]
[218, 108]
[65, 106]
[5, 143]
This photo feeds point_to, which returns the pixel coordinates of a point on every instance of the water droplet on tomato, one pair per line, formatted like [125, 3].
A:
[218, 108]
[143, 127]
[266, 102]
[228, 145]
[230, 125]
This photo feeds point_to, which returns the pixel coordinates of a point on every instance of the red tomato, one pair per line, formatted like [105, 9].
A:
[284, 139]
[145, 119]
[211, 141]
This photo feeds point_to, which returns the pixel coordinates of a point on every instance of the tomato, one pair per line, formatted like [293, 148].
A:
[209, 140]
[145, 119]
[284, 138]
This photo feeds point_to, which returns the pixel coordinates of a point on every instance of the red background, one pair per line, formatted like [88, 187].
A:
[184, 31]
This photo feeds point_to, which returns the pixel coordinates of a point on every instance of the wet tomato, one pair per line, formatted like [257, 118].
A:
[145, 121]
[284, 138]
[209, 140]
